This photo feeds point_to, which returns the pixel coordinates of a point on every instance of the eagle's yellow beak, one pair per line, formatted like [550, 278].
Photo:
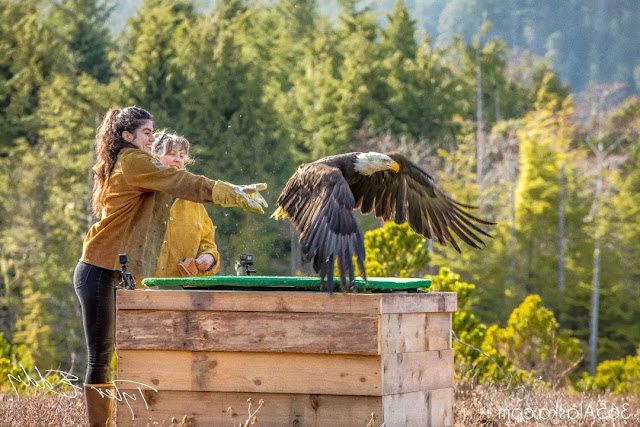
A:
[395, 167]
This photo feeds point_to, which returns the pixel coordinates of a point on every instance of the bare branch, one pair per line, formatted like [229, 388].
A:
[509, 377]
[614, 145]
[566, 371]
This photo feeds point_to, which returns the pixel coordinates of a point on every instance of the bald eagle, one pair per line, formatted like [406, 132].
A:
[320, 198]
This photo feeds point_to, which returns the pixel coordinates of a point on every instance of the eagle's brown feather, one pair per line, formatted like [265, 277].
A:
[320, 198]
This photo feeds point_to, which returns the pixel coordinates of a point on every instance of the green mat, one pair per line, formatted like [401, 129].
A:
[374, 284]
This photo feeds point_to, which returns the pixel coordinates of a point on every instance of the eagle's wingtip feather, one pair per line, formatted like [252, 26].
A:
[279, 214]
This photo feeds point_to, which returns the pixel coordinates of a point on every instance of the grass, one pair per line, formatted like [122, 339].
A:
[525, 406]
[482, 406]
[43, 411]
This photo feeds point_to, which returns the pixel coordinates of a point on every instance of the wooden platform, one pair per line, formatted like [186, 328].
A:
[315, 359]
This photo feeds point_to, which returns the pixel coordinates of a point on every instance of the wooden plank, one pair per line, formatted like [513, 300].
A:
[302, 302]
[299, 302]
[436, 302]
[419, 371]
[248, 331]
[410, 332]
[211, 409]
[252, 372]
[422, 408]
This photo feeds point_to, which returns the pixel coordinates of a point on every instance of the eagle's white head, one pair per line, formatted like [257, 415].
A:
[370, 163]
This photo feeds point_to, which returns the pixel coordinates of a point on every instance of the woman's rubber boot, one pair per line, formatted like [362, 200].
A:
[99, 398]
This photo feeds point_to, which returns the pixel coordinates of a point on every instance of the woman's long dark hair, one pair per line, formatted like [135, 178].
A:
[109, 142]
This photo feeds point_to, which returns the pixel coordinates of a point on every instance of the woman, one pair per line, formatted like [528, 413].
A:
[189, 247]
[131, 196]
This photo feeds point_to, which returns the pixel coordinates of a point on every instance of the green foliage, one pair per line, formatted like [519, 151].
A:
[21, 376]
[45, 160]
[576, 35]
[310, 108]
[448, 281]
[492, 266]
[46, 224]
[425, 93]
[13, 358]
[362, 86]
[82, 25]
[529, 347]
[618, 377]
[546, 160]
[148, 75]
[470, 364]
[236, 137]
[400, 36]
[394, 250]
[29, 53]
[533, 342]
[620, 213]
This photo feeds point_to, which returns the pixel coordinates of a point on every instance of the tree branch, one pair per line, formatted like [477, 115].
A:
[509, 377]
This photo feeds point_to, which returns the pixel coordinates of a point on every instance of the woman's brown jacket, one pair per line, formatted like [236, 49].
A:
[136, 210]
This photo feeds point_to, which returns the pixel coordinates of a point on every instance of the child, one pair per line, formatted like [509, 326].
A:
[189, 247]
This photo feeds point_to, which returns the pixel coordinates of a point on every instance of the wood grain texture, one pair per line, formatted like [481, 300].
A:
[316, 359]
[280, 409]
[410, 332]
[420, 371]
[299, 302]
[436, 302]
[252, 372]
[422, 408]
[279, 332]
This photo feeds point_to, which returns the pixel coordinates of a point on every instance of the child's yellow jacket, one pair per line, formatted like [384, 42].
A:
[190, 233]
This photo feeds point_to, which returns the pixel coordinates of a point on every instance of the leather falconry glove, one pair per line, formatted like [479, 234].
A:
[246, 197]
[253, 191]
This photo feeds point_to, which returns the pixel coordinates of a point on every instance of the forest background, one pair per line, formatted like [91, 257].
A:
[526, 108]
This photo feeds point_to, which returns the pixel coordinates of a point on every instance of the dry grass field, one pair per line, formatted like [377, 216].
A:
[479, 407]
[40, 411]
[526, 407]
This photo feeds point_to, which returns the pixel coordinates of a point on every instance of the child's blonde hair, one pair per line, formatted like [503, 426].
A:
[166, 142]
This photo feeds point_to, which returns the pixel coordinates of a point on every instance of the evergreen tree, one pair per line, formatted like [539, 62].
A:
[310, 108]
[30, 53]
[82, 25]
[489, 266]
[148, 76]
[421, 84]
[362, 76]
[612, 135]
[425, 95]
[545, 159]
[395, 251]
[399, 36]
[46, 241]
[532, 341]
[235, 134]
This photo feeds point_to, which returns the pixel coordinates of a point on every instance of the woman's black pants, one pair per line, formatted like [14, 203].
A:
[96, 289]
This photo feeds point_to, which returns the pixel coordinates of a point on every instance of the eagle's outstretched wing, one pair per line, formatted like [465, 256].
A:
[412, 195]
[320, 204]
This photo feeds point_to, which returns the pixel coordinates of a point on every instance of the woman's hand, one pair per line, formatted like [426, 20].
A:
[204, 262]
